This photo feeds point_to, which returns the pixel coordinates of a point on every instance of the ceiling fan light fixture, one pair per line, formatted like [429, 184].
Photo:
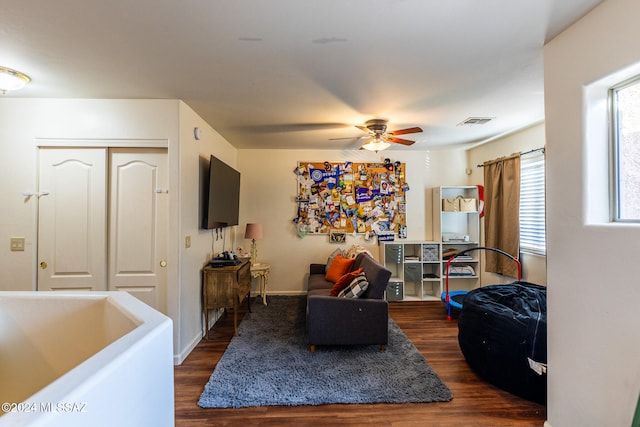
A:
[376, 145]
[12, 80]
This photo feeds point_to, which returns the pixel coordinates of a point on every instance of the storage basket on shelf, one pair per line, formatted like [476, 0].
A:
[430, 253]
[395, 291]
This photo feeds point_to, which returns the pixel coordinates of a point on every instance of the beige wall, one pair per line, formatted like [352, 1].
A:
[593, 291]
[194, 156]
[268, 191]
[534, 267]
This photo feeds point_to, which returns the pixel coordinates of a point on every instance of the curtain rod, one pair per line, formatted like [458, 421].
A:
[522, 154]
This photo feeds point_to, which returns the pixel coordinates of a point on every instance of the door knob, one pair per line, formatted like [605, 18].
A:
[43, 265]
[163, 263]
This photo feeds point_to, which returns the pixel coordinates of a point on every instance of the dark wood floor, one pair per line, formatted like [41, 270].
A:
[475, 402]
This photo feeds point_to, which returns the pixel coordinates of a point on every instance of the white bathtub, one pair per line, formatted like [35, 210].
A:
[84, 359]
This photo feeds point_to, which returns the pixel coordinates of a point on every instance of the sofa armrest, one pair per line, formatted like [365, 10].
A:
[317, 269]
[348, 321]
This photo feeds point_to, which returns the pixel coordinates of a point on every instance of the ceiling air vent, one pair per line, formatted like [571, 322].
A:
[475, 121]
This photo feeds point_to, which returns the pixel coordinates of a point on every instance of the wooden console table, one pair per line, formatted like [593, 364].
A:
[225, 287]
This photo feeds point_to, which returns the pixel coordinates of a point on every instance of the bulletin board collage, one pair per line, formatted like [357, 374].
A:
[340, 198]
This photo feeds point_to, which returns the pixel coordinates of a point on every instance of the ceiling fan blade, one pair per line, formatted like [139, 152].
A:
[292, 127]
[405, 131]
[363, 128]
[400, 141]
[349, 137]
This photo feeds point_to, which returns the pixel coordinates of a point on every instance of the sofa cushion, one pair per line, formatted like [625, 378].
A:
[344, 281]
[356, 288]
[317, 281]
[322, 292]
[338, 268]
[332, 257]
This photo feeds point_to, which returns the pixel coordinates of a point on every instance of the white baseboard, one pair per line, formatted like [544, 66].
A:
[280, 293]
[180, 357]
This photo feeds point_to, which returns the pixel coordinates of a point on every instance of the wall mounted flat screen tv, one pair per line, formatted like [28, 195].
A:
[223, 196]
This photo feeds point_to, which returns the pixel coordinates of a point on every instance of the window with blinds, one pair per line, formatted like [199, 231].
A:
[532, 212]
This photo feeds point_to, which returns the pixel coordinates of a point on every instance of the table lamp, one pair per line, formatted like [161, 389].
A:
[253, 232]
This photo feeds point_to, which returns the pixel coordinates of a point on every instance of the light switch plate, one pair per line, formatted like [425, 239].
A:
[17, 244]
[187, 242]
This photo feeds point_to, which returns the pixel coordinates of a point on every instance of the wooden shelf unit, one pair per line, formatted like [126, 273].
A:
[225, 287]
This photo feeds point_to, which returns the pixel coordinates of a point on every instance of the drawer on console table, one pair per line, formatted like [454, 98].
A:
[224, 286]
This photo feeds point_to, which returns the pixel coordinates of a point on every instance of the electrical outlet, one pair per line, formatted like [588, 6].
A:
[187, 242]
[17, 244]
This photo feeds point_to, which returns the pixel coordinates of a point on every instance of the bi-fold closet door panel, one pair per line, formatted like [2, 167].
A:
[138, 224]
[72, 219]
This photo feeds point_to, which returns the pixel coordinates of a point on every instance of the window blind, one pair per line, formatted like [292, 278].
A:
[532, 204]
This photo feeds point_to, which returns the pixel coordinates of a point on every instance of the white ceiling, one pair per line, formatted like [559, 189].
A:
[296, 73]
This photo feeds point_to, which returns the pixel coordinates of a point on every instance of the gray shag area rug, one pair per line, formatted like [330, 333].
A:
[269, 364]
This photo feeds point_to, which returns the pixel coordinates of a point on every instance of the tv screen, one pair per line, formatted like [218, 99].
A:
[223, 195]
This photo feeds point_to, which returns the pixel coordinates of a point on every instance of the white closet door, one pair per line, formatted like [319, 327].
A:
[138, 205]
[72, 219]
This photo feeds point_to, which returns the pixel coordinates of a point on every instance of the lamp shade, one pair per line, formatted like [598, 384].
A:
[254, 232]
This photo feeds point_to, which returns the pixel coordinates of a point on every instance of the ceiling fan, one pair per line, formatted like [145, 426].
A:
[379, 138]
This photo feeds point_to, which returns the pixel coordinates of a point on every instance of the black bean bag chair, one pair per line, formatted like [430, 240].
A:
[502, 332]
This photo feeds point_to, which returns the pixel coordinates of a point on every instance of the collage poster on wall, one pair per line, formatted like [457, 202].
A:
[344, 197]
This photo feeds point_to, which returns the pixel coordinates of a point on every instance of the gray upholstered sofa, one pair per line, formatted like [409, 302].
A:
[348, 321]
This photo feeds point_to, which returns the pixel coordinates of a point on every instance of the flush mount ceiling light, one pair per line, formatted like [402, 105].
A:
[376, 144]
[12, 79]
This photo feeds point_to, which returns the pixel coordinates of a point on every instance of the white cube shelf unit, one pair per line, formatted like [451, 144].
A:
[459, 230]
[418, 268]
[415, 270]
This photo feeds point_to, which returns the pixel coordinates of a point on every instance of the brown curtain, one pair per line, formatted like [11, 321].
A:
[502, 213]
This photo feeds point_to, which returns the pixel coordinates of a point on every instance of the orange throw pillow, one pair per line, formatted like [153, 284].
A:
[344, 281]
[338, 268]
